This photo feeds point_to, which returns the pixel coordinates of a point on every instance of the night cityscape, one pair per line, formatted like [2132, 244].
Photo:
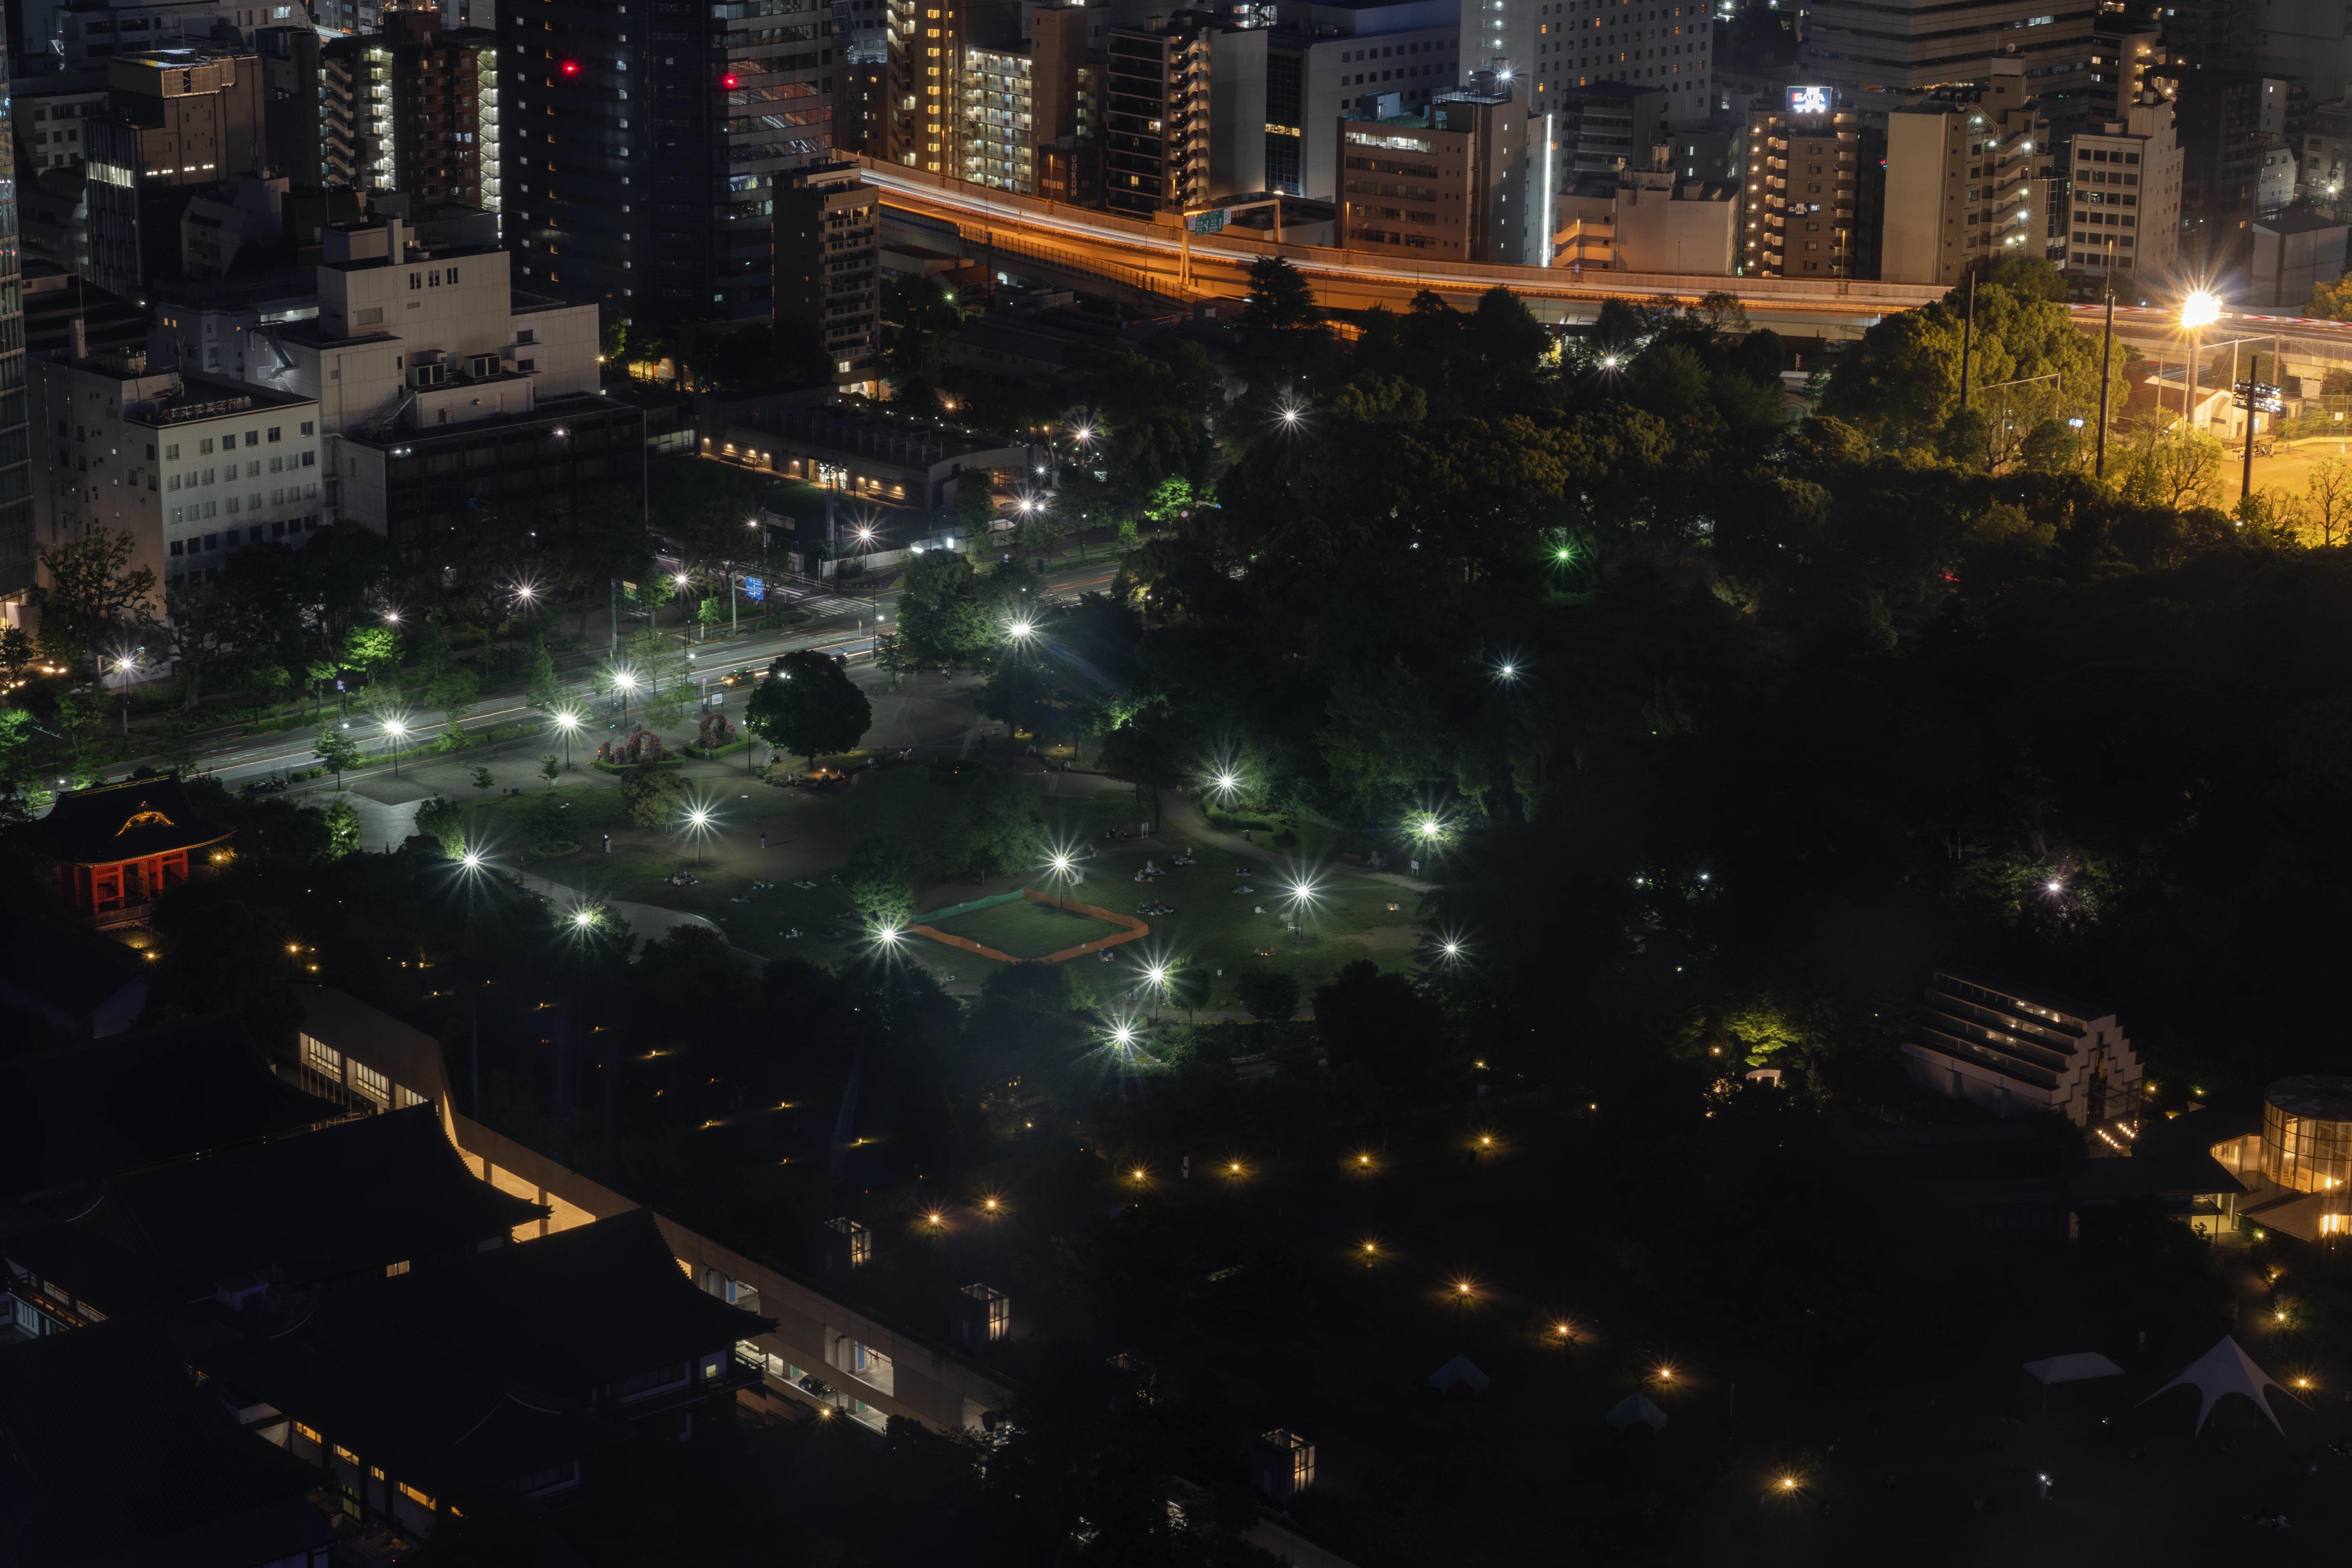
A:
[967, 784]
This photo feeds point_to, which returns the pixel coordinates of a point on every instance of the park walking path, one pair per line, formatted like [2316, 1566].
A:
[647, 922]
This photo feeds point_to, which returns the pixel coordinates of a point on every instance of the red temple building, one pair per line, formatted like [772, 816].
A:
[119, 846]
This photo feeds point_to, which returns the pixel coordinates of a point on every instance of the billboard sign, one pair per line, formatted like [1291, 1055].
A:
[1809, 101]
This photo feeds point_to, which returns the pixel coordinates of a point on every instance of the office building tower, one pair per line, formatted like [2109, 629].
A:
[1667, 50]
[1815, 179]
[1915, 45]
[1968, 182]
[1156, 118]
[16, 452]
[294, 101]
[2123, 205]
[640, 149]
[49, 112]
[75, 34]
[2229, 121]
[2308, 39]
[1606, 126]
[829, 268]
[861, 97]
[177, 120]
[1274, 89]
[1474, 180]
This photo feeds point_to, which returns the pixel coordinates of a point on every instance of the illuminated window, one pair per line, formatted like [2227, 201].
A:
[370, 1083]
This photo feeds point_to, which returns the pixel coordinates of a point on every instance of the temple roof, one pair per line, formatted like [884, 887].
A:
[474, 1370]
[296, 1211]
[63, 965]
[208, 1496]
[579, 1309]
[127, 821]
[80, 1113]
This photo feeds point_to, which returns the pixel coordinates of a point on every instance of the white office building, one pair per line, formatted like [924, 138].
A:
[193, 467]
[441, 389]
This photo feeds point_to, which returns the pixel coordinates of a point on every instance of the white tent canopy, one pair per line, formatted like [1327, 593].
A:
[2225, 1369]
[2073, 1368]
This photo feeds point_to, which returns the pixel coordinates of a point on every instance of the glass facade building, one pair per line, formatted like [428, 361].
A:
[2308, 1133]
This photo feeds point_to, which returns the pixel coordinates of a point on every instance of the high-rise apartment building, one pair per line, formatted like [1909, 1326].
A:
[1969, 182]
[1815, 179]
[15, 451]
[444, 125]
[355, 114]
[829, 267]
[2127, 60]
[1474, 180]
[1156, 118]
[1667, 50]
[641, 142]
[413, 109]
[2123, 204]
[1013, 99]
[924, 39]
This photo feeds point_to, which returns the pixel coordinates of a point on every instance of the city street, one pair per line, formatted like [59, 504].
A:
[847, 628]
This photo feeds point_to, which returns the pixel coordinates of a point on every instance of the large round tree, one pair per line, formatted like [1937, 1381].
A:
[809, 707]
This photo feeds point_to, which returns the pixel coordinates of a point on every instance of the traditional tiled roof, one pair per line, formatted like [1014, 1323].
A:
[72, 970]
[478, 1369]
[79, 1113]
[126, 821]
[207, 1495]
[447, 1430]
[583, 1307]
[296, 1211]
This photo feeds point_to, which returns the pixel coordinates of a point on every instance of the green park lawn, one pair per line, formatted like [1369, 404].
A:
[810, 832]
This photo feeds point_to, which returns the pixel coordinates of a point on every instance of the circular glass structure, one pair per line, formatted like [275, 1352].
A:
[2308, 1132]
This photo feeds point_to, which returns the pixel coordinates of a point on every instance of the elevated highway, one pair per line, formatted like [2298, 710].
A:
[1149, 258]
